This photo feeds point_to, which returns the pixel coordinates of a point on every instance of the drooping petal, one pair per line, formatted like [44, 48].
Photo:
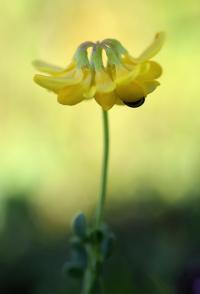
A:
[111, 70]
[75, 74]
[131, 92]
[103, 82]
[90, 93]
[153, 71]
[71, 95]
[49, 83]
[153, 49]
[46, 67]
[124, 75]
[144, 68]
[149, 86]
[129, 60]
[55, 83]
[106, 100]
[74, 94]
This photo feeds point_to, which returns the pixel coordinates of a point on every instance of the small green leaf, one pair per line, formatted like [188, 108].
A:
[80, 226]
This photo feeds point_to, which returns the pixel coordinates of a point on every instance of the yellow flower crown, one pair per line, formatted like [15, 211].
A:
[120, 79]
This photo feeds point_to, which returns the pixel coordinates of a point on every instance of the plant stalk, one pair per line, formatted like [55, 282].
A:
[90, 276]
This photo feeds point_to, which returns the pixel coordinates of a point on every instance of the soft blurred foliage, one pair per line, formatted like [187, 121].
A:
[50, 155]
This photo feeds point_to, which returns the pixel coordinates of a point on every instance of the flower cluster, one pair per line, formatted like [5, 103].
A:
[104, 71]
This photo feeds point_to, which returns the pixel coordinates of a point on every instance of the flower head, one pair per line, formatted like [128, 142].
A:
[120, 79]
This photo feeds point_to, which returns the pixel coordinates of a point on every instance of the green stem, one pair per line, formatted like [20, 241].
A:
[89, 278]
[104, 174]
[90, 274]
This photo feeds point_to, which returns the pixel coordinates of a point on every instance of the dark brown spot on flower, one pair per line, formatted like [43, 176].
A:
[135, 104]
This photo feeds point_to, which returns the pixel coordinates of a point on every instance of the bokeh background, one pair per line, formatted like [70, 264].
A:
[50, 155]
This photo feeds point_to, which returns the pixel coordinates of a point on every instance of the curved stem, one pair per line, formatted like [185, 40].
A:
[104, 174]
[90, 273]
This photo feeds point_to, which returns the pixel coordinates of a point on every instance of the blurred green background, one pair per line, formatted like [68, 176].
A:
[50, 155]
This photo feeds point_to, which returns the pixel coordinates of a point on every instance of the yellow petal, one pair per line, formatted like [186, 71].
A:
[55, 83]
[141, 67]
[71, 95]
[106, 100]
[131, 92]
[124, 75]
[52, 69]
[103, 82]
[90, 93]
[129, 60]
[152, 72]
[149, 86]
[74, 94]
[46, 67]
[144, 68]
[49, 83]
[110, 69]
[153, 49]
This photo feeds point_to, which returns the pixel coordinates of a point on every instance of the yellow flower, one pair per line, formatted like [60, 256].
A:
[72, 85]
[133, 91]
[121, 80]
[142, 85]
